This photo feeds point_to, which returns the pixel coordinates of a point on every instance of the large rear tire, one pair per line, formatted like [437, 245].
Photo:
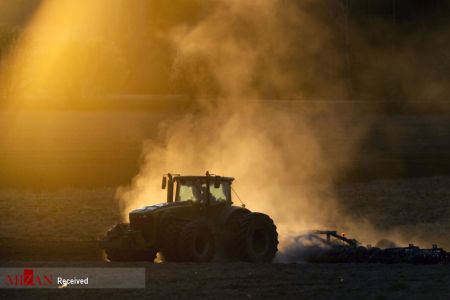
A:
[257, 238]
[196, 243]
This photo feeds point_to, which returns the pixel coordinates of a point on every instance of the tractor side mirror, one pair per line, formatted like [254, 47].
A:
[217, 182]
[164, 182]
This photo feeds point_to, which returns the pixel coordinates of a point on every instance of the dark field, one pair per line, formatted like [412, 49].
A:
[66, 225]
[79, 217]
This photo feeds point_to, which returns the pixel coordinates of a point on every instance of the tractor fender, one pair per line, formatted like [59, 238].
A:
[233, 211]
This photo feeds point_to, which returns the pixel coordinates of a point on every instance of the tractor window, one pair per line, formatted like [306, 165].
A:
[186, 191]
[221, 193]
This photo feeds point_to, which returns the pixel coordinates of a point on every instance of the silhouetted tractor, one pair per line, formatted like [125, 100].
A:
[197, 223]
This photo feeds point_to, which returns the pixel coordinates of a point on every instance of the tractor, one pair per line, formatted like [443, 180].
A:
[197, 223]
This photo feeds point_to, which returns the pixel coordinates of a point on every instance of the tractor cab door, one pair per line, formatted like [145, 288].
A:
[219, 199]
[190, 192]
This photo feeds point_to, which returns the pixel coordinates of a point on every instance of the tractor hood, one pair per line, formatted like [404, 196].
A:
[159, 207]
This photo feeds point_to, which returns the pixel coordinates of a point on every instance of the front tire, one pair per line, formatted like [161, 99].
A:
[196, 243]
[170, 240]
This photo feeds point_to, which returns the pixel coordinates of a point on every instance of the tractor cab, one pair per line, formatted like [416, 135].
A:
[209, 189]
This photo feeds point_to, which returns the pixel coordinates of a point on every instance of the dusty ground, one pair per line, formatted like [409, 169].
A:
[406, 210]
[66, 224]
[62, 228]
[64, 215]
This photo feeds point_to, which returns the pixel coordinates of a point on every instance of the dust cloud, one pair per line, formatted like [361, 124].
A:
[279, 155]
[284, 158]
[229, 55]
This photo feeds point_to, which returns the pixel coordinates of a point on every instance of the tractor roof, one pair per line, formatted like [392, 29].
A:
[193, 177]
